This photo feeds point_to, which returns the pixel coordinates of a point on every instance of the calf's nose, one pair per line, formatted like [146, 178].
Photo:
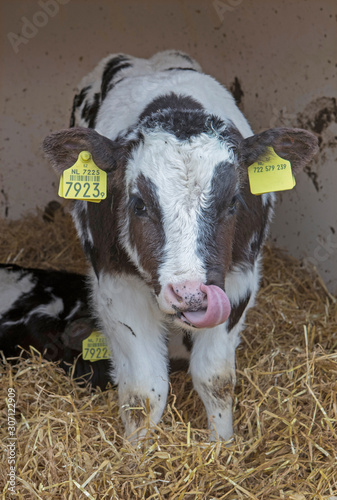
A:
[185, 295]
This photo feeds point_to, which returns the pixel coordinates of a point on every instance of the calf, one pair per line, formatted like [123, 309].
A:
[175, 248]
[48, 310]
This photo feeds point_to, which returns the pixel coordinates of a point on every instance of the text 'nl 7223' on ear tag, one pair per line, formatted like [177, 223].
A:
[84, 180]
[95, 347]
[271, 173]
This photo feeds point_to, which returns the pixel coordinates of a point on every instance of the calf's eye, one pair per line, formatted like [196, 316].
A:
[232, 205]
[139, 206]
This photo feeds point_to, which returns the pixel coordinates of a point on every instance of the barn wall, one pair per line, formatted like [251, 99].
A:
[279, 59]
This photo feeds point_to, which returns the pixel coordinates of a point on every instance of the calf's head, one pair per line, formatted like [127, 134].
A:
[171, 209]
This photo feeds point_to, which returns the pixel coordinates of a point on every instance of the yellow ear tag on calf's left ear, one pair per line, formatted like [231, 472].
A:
[84, 180]
[95, 347]
[272, 173]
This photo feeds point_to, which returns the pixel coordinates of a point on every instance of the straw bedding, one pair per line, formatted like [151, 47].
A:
[70, 439]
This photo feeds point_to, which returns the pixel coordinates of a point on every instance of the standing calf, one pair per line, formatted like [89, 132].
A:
[175, 248]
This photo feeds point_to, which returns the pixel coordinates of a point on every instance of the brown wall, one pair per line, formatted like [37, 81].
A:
[281, 53]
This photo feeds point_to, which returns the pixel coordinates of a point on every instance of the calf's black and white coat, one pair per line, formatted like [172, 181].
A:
[48, 310]
[175, 247]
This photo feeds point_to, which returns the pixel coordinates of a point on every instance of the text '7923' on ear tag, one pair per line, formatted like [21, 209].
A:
[84, 180]
[95, 347]
[271, 173]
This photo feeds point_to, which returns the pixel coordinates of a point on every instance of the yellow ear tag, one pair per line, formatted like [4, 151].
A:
[84, 180]
[95, 347]
[272, 173]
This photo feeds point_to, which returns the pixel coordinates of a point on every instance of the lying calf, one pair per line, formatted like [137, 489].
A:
[49, 311]
[175, 247]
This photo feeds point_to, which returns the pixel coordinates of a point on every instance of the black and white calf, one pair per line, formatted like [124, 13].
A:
[175, 247]
[48, 310]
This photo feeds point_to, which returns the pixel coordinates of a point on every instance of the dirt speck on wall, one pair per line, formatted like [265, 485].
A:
[320, 116]
[236, 90]
[3, 200]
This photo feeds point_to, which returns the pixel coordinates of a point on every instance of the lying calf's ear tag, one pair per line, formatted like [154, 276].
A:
[95, 347]
[271, 173]
[84, 180]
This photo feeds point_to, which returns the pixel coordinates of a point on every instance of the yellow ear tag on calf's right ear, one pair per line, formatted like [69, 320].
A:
[84, 180]
[270, 174]
[95, 347]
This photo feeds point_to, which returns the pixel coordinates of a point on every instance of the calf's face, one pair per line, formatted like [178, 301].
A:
[180, 224]
[171, 209]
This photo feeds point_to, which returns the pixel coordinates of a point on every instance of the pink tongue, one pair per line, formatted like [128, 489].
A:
[217, 312]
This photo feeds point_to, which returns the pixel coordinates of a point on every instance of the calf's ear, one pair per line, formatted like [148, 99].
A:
[293, 144]
[62, 148]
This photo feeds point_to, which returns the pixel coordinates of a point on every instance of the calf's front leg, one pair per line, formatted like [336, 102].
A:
[133, 327]
[212, 367]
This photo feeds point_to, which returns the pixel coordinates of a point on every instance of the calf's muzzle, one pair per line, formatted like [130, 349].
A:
[197, 304]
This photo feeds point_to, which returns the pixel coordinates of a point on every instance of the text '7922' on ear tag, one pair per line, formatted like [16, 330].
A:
[271, 173]
[84, 180]
[95, 347]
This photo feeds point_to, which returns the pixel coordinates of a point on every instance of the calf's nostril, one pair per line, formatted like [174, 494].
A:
[177, 295]
[174, 294]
